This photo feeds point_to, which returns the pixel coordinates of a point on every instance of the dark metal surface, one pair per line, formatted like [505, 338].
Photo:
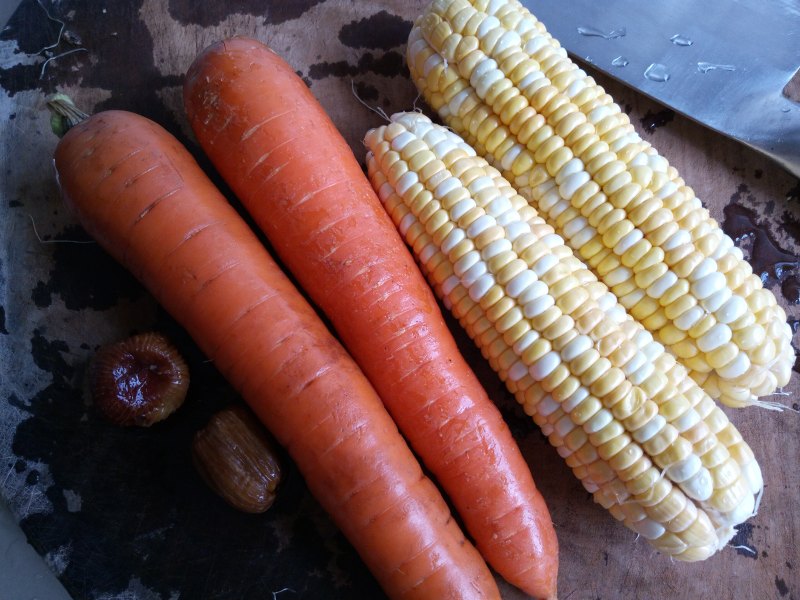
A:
[7, 8]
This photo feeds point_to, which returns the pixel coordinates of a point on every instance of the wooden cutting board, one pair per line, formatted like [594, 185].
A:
[121, 513]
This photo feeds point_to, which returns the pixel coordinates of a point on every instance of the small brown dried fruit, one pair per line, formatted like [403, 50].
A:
[138, 381]
[237, 460]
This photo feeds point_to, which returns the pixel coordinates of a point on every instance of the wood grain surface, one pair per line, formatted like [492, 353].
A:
[121, 514]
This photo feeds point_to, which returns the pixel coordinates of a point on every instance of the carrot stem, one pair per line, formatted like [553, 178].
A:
[64, 115]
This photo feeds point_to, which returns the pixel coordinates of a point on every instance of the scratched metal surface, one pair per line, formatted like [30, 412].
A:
[121, 514]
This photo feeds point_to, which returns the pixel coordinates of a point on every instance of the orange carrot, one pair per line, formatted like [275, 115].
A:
[283, 157]
[142, 196]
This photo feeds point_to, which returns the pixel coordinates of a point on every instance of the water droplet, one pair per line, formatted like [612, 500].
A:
[705, 67]
[657, 72]
[768, 259]
[680, 40]
[620, 61]
[606, 35]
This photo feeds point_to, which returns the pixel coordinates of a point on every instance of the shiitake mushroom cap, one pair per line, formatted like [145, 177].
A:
[138, 381]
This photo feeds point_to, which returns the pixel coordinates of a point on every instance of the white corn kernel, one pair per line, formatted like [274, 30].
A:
[520, 283]
[713, 282]
[715, 337]
[536, 307]
[733, 309]
[648, 529]
[736, 368]
[685, 469]
[700, 487]
[544, 366]
[652, 427]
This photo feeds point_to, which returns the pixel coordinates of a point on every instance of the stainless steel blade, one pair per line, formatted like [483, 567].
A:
[724, 63]
[7, 8]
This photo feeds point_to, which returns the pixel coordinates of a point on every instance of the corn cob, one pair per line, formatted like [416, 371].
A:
[641, 436]
[498, 79]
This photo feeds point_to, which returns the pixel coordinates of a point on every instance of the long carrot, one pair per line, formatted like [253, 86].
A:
[283, 157]
[142, 196]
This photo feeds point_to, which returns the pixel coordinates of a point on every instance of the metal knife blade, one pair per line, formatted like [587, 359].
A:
[7, 8]
[723, 63]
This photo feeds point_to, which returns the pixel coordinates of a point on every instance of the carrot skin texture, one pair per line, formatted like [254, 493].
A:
[142, 196]
[283, 157]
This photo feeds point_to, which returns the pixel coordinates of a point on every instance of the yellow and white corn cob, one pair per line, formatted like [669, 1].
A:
[639, 434]
[502, 82]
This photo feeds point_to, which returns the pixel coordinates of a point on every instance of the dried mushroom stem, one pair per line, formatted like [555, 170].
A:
[236, 459]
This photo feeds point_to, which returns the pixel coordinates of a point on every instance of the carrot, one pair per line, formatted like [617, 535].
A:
[283, 157]
[142, 196]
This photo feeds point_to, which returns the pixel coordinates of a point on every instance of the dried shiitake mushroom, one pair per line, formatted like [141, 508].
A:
[138, 381]
[237, 460]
